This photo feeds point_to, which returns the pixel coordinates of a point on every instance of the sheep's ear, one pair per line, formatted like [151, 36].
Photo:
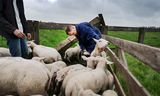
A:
[29, 43]
[77, 44]
[109, 62]
[95, 40]
[32, 40]
[84, 58]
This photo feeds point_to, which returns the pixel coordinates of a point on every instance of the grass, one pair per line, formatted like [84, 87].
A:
[147, 77]
[49, 38]
[3, 42]
[52, 38]
[151, 38]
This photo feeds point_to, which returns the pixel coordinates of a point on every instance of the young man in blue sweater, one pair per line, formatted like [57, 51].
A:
[85, 33]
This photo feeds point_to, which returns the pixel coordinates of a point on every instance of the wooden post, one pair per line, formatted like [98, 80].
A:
[103, 27]
[141, 35]
[33, 27]
[121, 56]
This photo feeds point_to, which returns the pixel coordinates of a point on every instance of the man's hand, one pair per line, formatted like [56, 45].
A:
[29, 36]
[19, 33]
[85, 53]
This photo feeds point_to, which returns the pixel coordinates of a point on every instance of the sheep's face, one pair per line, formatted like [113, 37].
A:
[61, 74]
[31, 43]
[91, 61]
[39, 59]
[101, 43]
[102, 59]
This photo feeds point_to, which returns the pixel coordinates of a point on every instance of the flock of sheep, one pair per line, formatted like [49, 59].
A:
[47, 73]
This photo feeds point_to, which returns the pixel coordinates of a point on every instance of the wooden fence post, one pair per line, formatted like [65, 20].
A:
[33, 27]
[121, 56]
[141, 35]
[103, 27]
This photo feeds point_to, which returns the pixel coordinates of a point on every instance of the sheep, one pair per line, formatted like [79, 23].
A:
[67, 73]
[4, 52]
[72, 52]
[61, 74]
[54, 68]
[100, 46]
[97, 75]
[50, 54]
[87, 92]
[109, 93]
[39, 59]
[23, 77]
[93, 61]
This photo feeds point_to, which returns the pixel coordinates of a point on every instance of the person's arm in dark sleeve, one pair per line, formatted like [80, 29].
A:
[91, 34]
[4, 24]
[81, 46]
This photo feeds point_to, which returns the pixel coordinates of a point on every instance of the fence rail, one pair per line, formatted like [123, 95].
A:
[52, 25]
[147, 54]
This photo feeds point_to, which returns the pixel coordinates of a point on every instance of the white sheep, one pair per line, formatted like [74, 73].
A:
[72, 53]
[109, 93]
[4, 52]
[50, 54]
[54, 68]
[39, 59]
[87, 80]
[100, 46]
[93, 61]
[68, 72]
[61, 74]
[23, 77]
[87, 92]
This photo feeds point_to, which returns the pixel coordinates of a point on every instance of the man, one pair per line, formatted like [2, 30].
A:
[85, 33]
[13, 26]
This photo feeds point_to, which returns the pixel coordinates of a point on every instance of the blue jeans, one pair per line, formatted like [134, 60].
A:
[18, 47]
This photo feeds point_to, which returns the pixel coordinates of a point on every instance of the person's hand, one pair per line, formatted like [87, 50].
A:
[29, 36]
[19, 33]
[85, 53]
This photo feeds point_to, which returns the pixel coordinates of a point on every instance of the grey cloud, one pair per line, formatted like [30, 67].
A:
[115, 12]
[141, 8]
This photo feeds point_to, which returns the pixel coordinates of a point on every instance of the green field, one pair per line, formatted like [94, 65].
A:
[148, 77]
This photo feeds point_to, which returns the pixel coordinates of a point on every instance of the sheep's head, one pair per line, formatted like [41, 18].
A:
[31, 44]
[102, 59]
[109, 93]
[93, 61]
[39, 59]
[87, 93]
[101, 44]
[61, 74]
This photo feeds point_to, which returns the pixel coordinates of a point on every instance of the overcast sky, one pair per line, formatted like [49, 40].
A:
[115, 12]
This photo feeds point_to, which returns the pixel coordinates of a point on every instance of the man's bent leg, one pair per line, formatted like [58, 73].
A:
[24, 48]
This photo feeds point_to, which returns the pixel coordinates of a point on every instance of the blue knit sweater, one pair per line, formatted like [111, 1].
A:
[85, 34]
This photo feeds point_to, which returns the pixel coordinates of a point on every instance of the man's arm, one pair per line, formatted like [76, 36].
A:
[4, 24]
[81, 46]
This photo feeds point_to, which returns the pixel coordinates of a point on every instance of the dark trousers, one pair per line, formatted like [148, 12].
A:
[18, 47]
